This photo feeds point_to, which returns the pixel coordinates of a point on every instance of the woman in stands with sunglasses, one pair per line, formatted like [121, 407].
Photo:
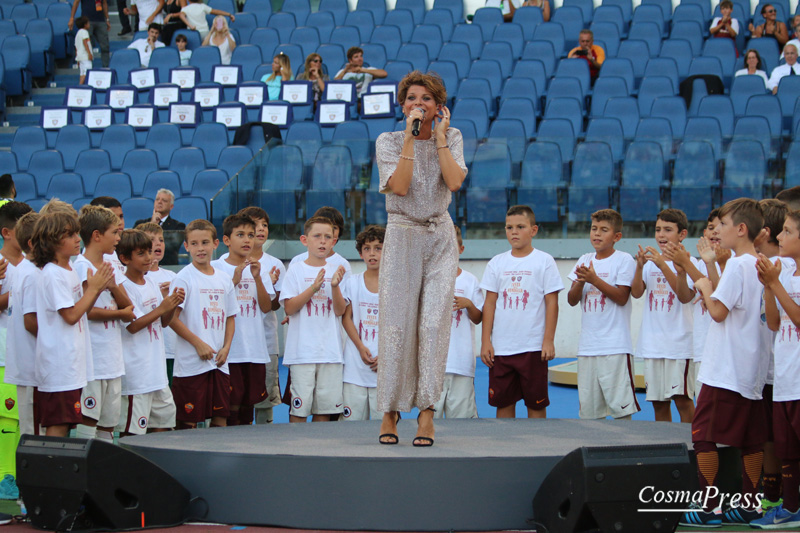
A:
[771, 27]
[313, 72]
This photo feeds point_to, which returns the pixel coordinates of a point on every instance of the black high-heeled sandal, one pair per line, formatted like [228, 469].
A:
[423, 442]
[393, 436]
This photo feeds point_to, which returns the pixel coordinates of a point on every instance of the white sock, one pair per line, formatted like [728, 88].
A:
[106, 436]
[85, 432]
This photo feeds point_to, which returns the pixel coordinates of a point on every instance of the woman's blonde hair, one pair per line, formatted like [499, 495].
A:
[283, 59]
[431, 81]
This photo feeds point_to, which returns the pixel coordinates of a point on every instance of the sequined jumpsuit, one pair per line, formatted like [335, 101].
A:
[417, 279]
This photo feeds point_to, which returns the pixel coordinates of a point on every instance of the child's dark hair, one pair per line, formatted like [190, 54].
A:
[131, 241]
[200, 224]
[369, 234]
[106, 201]
[24, 230]
[676, 216]
[11, 212]
[726, 3]
[334, 215]
[459, 240]
[745, 211]
[232, 222]
[7, 187]
[794, 215]
[96, 218]
[523, 210]
[713, 214]
[609, 215]
[47, 234]
[80, 22]
[316, 220]
[774, 212]
[791, 196]
[255, 212]
[181, 38]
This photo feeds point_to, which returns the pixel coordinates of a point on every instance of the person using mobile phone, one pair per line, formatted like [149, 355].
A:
[220, 36]
[587, 50]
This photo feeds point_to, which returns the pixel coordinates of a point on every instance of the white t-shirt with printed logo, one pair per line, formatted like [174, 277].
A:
[106, 336]
[249, 342]
[162, 275]
[63, 351]
[521, 284]
[314, 334]
[605, 326]
[461, 353]
[335, 260]
[666, 331]
[143, 351]
[113, 259]
[787, 265]
[787, 346]
[5, 315]
[20, 344]
[209, 301]
[365, 318]
[738, 349]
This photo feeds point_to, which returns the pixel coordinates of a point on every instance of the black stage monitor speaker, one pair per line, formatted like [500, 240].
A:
[608, 489]
[78, 484]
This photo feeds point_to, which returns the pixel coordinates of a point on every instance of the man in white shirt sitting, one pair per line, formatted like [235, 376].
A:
[145, 47]
[791, 68]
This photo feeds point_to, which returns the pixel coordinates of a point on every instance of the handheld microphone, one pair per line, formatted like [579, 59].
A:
[416, 125]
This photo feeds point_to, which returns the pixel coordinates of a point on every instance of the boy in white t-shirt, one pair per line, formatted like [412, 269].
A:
[163, 279]
[361, 347]
[100, 401]
[64, 353]
[458, 394]
[665, 337]
[313, 302]
[147, 404]
[83, 47]
[518, 333]
[194, 16]
[273, 268]
[336, 218]
[248, 356]
[22, 330]
[601, 284]
[205, 325]
[781, 281]
[736, 360]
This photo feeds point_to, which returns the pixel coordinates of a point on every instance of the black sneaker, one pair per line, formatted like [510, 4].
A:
[124, 31]
[5, 519]
[740, 516]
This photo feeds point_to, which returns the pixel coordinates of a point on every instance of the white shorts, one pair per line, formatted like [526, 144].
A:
[606, 386]
[273, 385]
[360, 403]
[84, 67]
[458, 398]
[100, 400]
[316, 389]
[665, 378]
[141, 412]
[25, 410]
[697, 384]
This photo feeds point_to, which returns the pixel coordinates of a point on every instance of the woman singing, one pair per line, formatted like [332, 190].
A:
[420, 259]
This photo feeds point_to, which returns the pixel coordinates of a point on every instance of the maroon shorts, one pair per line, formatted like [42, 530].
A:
[519, 377]
[202, 396]
[786, 418]
[766, 394]
[57, 408]
[726, 417]
[248, 383]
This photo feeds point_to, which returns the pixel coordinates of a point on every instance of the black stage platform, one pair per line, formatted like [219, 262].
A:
[481, 475]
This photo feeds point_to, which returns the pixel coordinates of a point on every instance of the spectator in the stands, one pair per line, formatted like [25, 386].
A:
[149, 11]
[145, 47]
[172, 19]
[508, 7]
[791, 68]
[281, 72]
[313, 72]
[772, 27]
[99, 24]
[220, 36]
[753, 66]
[593, 54]
[83, 48]
[164, 202]
[356, 71]
[181, 42]
[194, 16]
[725, 25]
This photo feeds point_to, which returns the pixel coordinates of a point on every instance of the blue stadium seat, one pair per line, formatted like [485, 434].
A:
[160, 179]
[571, 20]
[355, 136]
[704, 5]
[637, 53]
[456, 8]
[25, 184]
[416, 54]
[337, 8]
[767, 106]
[553, 32]
[244, 25]
[262, 9]
[542, 51]
[163, 139]
[65, 186]
[721, 108]
[43, 165]
[487, 18]
[511, 132]
[71, 140]
[91, 164]
[21, 14]
[578, 69]
[249, 57]
[282, 182]
[592, 177]
[233, 158]
[207, 183]
[609, 34]
[706, 65]
[533, 70]
[299, 8]
[389, 37]
[211, 138]
[58, 14]
[541, 180]
[449, 74]
[767, 48]
[114, 184]
[443, 19]
[489, 70]
[404, 20]
[416, 7]
[613, 15]
[725, 51]
[663, 66]
[513, 35]
[187, 162]
[521, 109]
[364, 21]
[653, 87]
[792, 178]
[705, 129]
[376, 7]
[308, 137]
[267, 39]
[193, 40]
[476, 110]
[431, 36]
[40, 37]
[137, 209]
[501, 53]
[164, 59]
[333, 55]
[469, 135]
[756, 129]
[16, 54]
[567, 88]
[742, 89]
[788, 94]
[609, 131]
[138, 164]
[283, 23]
[26, 141]
[190, 208]
[679, 50]
[650, 13]
[487, 194]
[606, 87]
[323, 22]
[619, 68]
[649, 33]
[521, 88]
[528, 17]
[331, 179]
[469, 35]
[642, 181]
[375, 52]
[626, 110]
[127, 59]
[8, 162]
[657, 130]
[745, 171]
[204, 59]
[566, 108]
[672, 108]
[345, 36]
[690, 31]
[560, 132]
